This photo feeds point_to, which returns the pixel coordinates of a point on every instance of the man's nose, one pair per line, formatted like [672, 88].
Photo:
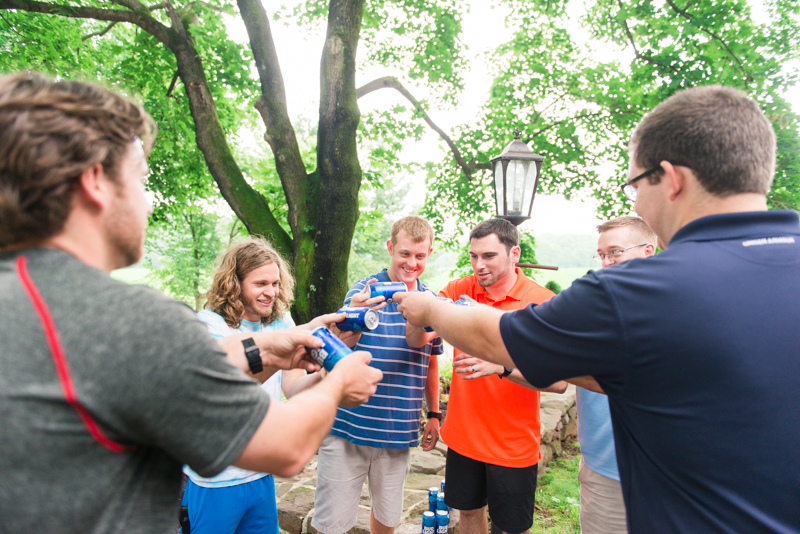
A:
[608, 260]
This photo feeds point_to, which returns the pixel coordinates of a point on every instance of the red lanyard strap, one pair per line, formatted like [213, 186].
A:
[51, 333]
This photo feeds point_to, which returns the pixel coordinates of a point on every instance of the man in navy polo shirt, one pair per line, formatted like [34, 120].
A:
[697, 347]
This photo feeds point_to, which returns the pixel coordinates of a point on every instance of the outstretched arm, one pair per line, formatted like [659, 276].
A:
[474, 330]
[304, 421]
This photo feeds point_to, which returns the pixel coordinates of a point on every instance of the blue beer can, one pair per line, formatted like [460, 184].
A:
[428, 523]
[465, 302]
[386, 289]
[433, 493]
[442, 486]
[358, 319]
[430, 328]
[331, 351]
[440, 505]
[442, 521]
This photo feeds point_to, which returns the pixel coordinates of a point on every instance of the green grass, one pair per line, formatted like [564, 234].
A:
[558, 495]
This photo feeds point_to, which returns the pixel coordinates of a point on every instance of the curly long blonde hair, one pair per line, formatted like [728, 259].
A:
[225, 295]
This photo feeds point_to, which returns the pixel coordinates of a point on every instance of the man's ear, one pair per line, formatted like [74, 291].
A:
[675, 178]
[649, 250]
[94, 185]
[389, 246]
[516, 252]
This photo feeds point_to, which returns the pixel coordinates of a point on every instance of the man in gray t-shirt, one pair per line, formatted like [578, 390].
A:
[106, 389]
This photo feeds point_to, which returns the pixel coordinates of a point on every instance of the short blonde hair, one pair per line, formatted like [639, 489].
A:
[225, 295]
[639, 229]
[415, 227]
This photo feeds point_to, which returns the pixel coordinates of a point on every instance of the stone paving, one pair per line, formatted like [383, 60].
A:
[295, 495]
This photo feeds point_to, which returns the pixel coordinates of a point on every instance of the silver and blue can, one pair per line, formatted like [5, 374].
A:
[386, 289]
[332, 350]
[465, 302]
[442, 521]
[358, 319]
[442, 490]
[428, 523]
[440, 505]
[433, 493]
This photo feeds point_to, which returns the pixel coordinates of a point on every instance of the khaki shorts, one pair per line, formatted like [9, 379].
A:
[341, 469]
[602, 507]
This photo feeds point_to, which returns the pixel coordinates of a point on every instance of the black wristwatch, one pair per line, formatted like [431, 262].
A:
[253, 355]
[506, 371]
[435, 415]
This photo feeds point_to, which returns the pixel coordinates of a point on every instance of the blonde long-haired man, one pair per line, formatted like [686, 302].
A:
[251, 292]
[602, 506]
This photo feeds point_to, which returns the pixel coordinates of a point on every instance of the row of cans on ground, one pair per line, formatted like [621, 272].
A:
[437, 518]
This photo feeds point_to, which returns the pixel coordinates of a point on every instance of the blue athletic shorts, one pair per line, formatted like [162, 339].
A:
[247, 508]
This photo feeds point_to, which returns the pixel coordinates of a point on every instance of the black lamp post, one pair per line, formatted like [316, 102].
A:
[516, 175]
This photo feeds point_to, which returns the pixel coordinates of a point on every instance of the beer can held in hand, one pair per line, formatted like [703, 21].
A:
[428, 523]
[386, 289]
[358, 319]
[465, 302]
[331, 351]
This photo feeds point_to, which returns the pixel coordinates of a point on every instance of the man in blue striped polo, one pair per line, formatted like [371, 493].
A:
[374, 440]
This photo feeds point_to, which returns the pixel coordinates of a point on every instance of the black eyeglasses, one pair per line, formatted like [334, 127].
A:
[627, 188]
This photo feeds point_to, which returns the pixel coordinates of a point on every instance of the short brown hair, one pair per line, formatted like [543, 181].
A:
[640, 230]
[506, 232]
[718, 132]
[240, 259]
[51, 131]
[415, 227]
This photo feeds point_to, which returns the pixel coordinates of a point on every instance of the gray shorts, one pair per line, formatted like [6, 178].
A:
[341, 470]
[602, 507]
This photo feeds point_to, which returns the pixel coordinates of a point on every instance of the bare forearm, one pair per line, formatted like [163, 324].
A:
[474, 330]
[291, 432]
[432, 385]
[296, 380]
[416, 337]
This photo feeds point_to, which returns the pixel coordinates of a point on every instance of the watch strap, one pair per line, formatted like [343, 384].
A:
[435, 415]
[506, 371]
[253, 354]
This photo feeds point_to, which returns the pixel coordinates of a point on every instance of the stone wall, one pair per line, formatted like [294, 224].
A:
[296, 495]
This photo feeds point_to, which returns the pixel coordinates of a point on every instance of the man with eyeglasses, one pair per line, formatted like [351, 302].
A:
[602, 505]
[697, 347]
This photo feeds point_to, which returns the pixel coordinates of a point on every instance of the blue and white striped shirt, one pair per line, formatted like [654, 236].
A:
[390, 419]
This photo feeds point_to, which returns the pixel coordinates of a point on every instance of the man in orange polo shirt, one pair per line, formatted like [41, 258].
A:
[492, 426]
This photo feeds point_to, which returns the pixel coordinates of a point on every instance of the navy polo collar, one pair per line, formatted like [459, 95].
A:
[739, 225]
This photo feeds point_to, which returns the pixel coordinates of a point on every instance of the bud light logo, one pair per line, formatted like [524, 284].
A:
[319, 354]
[428, 530]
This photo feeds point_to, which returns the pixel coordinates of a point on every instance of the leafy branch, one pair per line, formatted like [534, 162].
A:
[394, 83]
[688, 16]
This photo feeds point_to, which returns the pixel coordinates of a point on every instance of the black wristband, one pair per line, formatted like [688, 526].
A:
[253, 355]
[506, 371]
[435, 415]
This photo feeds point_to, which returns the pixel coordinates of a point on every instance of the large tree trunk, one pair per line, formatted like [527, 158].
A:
[338, 179]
